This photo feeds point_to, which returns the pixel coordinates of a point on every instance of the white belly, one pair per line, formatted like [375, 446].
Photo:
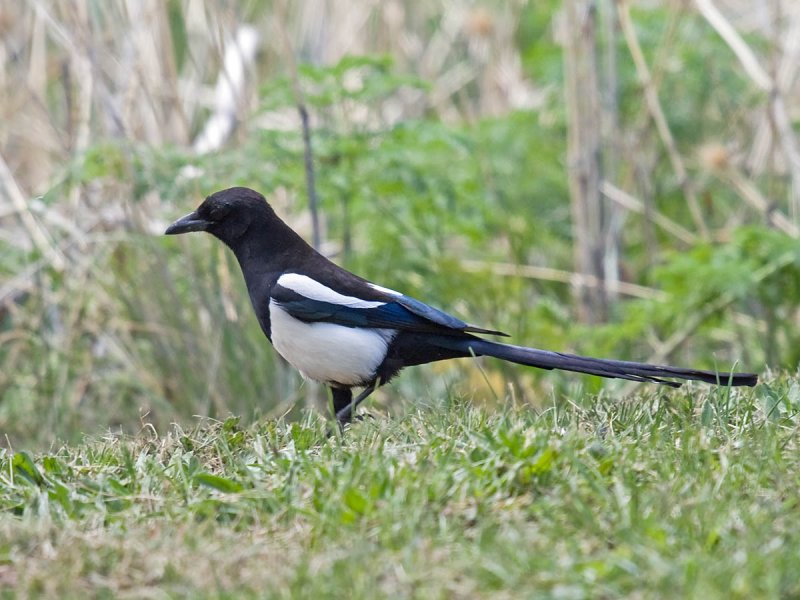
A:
[326, 352]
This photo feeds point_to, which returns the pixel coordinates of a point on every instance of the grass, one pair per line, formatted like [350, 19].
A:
[679, 494]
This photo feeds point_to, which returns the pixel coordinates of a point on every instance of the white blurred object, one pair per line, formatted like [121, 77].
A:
[239, 53]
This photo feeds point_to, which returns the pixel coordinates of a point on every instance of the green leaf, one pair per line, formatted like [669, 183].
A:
[218, 483]
[544, 462]
[772, 402]
[51, 465]
[24, 466]
[356, 501]
[707, 414]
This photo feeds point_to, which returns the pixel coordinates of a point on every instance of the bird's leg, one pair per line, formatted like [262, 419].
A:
[342, 397]
[345, 414]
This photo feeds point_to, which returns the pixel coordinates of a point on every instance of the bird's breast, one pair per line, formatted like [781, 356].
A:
[326, 352]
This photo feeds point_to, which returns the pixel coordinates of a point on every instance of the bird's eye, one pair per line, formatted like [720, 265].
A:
[217, 213]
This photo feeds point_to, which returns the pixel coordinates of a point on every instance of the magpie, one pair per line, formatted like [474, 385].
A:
[346, 332]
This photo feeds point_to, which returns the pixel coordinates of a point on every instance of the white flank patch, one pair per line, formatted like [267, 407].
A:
[314, 290]
[326, 352]
[380, 288]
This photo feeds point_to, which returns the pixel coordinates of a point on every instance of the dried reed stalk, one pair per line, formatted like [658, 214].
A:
[583, 152]
[657, 114]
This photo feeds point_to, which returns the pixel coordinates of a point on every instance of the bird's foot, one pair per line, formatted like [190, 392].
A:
[342, 424]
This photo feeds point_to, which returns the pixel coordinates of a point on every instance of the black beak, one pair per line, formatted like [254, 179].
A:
[190, 222]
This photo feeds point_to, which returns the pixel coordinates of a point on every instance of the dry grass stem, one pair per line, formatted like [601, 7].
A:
[657, 114]
[549, 274]
[633, 204]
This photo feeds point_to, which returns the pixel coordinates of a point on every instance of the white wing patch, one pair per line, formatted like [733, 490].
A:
[314, 290]
[380, 288]
[327, 352]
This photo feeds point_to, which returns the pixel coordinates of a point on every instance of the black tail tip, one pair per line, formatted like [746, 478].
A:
[734, 379]
[740, 379]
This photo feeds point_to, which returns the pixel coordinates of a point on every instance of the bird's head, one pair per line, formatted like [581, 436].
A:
[226, 214]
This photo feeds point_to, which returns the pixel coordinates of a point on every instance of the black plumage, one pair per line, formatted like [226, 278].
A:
[346, 332]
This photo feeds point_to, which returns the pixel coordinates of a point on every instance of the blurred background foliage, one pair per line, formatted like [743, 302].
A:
[439, 134]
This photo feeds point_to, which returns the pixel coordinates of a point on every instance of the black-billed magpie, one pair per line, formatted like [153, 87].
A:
[341, 330]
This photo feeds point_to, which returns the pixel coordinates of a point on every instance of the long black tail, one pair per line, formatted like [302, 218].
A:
[617, 369]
